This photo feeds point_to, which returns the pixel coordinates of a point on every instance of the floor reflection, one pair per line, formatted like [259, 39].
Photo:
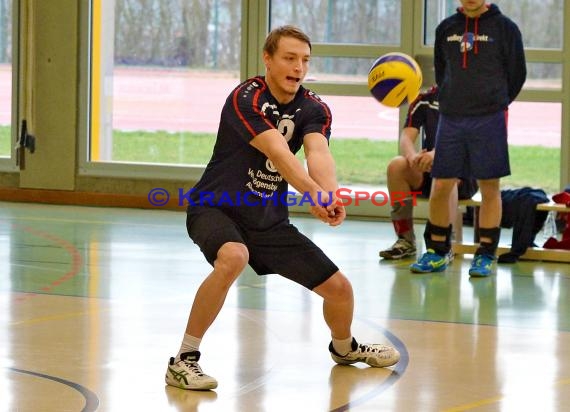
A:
[98, 298]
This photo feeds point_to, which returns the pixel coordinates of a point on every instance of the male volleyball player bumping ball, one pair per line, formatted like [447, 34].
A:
[264, 122]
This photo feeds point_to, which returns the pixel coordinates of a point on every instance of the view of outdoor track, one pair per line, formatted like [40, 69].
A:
[175, 100]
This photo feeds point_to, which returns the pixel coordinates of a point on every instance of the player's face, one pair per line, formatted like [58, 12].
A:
[286, 69]
[473, 7]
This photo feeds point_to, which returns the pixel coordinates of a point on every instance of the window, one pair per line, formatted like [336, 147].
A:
[161, 71]
[349, 21]
[540, 21]
[534, 138]
[347, 37]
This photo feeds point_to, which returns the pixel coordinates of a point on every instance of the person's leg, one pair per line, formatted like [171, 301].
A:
[338, 308]
[453, 204]
[439, 203]
[449, 163]
[221, 242]
[489, 227]
[489, 161]
[402, 179]
[437, 232]
[286, 251]
[453, 217]
[338, 305]
[491, 206]
[210, 297]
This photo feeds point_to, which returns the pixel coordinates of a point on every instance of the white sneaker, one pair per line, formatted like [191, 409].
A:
[187, 374]
[372, 354]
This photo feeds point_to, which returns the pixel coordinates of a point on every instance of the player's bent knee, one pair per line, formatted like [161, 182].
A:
[397, 166]
[232, 258]
[337, 288]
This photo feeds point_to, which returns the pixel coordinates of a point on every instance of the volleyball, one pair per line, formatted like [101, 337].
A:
[395, 79]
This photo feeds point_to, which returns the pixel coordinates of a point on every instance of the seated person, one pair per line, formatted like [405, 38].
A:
[410, 171]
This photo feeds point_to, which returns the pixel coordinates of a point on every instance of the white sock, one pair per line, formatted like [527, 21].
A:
[189, 344]
[342, 346]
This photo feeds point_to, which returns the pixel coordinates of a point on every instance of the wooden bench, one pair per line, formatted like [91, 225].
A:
[532, 253]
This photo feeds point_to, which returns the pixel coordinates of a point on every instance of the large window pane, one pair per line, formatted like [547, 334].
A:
[364, 133]
[534, 139]
[363, 140]
[540, 21]
[339, 69]
[5, 76]
[350, 21]
[543, 76]
[161, 72]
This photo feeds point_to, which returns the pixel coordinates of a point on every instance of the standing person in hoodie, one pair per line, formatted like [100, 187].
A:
[480, 69]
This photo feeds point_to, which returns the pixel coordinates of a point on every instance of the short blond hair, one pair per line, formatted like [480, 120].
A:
[272, 39]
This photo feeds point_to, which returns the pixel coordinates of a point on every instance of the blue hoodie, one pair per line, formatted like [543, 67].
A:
[479, 63]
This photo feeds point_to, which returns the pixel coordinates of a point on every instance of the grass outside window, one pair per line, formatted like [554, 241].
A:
[359, 161]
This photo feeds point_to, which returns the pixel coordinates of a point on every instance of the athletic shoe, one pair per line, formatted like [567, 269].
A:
[430, 262]
[481, 266]
[373, 354]
[401, 249]
[450, 256]
[187, 374]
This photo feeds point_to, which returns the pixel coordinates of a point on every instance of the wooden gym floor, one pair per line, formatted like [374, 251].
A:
[93, 302]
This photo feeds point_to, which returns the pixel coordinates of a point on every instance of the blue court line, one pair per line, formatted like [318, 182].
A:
[91, 399]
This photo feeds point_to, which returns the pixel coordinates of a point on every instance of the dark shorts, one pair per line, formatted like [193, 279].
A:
[281, 250]
[474, 147]
[466, 189]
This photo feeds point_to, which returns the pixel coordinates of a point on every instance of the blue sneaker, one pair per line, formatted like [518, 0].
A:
[481, 266]
[430, 262]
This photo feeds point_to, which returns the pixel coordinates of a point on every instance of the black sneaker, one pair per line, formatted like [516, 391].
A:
[399, 250]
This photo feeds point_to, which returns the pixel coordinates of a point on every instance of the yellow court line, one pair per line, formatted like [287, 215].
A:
[55, 317]
[489, 401]
[474, 405]
[96, 81]
[98, 222]
[94, 344]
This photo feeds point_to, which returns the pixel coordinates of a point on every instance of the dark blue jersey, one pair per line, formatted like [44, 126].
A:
[241, 179]
[479, 63]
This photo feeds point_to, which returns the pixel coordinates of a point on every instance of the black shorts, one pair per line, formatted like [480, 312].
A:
[281, 250]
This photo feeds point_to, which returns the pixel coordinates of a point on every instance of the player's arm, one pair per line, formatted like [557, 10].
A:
[321, 167]
[422, 160]
[438, 56]
[273, 145]
[408, 139]
[516, 64]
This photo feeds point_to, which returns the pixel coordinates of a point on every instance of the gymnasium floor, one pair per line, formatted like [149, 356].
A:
[93, 302]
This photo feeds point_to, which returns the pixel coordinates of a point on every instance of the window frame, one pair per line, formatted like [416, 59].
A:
[255, 21]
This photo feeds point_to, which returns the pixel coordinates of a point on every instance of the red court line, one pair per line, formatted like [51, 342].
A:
[76, 259]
